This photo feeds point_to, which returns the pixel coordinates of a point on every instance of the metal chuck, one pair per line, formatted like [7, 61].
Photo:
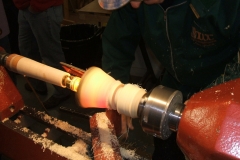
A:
[160, 111]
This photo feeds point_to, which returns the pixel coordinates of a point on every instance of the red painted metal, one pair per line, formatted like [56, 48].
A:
[115, 119]
[11, 100]
[210, 124]
[98, 151]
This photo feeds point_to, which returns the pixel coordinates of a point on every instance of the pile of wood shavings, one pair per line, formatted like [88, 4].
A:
[105, 135]
[129, 154]
[24, 129]
[65, 126]
[70, 153]
[79, 146]
[107, 139]
[5, 119]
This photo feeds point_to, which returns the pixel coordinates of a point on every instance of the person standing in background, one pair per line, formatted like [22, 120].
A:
[4, 29]
[4, 32]
[196, 41]
[39, 39]
[12, 18]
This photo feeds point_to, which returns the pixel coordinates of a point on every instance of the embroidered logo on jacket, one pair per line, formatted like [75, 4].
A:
[202, 39]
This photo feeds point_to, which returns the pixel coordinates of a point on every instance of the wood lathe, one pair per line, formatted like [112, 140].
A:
[207, 125]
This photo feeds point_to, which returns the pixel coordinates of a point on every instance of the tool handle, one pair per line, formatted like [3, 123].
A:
[31, 68]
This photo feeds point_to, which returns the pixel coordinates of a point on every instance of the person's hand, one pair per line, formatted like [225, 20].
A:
[32, 10]
[135, 4]
[126, 125]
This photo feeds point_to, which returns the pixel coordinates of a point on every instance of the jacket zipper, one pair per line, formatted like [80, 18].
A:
[165, 19]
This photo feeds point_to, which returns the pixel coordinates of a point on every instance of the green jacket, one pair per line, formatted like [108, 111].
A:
[192, 39]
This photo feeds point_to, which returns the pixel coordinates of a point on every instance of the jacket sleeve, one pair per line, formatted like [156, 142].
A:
[232, 69]
[120, 40]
